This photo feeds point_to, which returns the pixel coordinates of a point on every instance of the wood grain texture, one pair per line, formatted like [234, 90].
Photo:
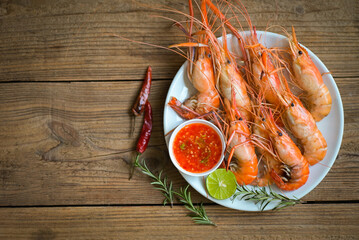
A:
[70, 143]
[66, 87]
[67, 41]
[312, 222]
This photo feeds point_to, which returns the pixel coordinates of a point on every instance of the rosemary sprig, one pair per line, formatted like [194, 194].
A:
[198, 214]
[262, 197]
[158, 182]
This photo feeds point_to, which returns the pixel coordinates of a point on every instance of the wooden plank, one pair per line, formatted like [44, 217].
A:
[69, 143]
[66, 40]
[312, 222]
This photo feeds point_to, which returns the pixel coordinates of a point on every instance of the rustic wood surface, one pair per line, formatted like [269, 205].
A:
[310, 222]
[66, 87]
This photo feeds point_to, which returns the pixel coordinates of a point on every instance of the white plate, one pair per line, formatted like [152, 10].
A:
[331, 126]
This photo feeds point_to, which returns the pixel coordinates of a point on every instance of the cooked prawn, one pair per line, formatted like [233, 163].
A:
[298, 119]
[232, 84]
[261, 67]
[264, 74]
[242, 160]
[303, 126]
[268, 160]
[294, 169]
[202, 78]
[308, 77]
[231, 81]
[201, 73]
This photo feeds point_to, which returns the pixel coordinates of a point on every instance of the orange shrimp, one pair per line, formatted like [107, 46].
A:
[262, 69]
[263, 72]
[202, 78]
[301, 123]
[308, 77]
[268, 161]
[294, 169]
[200, 72]
[244, 164]
[231, 82]
[182, 110]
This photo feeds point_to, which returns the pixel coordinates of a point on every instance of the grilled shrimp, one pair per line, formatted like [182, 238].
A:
[202, 78]
[233, 87]
[262, 68]
[200, 72]
[268, 160]
[231, 82]
[264, 73]
[297, 118]
[301, 123]
[294, 169]
[263, 177]
[308, 77]
[244, 162]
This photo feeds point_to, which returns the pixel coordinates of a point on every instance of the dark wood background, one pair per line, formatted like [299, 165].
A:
[66, 87]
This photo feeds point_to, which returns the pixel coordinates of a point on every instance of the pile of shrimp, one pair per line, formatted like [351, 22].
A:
[272, 137]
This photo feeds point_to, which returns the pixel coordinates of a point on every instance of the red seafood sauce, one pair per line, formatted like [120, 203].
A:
[197, 147]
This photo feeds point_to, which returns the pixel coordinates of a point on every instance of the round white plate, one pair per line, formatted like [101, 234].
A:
[331, 126]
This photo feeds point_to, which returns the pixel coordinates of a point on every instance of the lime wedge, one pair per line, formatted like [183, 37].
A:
[221, 184]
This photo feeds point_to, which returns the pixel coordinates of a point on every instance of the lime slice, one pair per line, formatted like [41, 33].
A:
[221, 184]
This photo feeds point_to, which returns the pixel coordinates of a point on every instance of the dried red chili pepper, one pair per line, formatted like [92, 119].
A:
[146, 129]
[142, 98]
[145, 135]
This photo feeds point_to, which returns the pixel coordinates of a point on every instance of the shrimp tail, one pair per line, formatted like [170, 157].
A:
[182, 110]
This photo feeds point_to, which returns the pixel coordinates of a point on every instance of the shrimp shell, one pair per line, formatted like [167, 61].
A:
[207, 98]
[303, 126]
[295, 168]
[308, 77]
[231, 82]
[244, 165]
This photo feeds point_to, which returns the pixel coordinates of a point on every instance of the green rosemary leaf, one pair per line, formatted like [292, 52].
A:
[189, 208]
[164, 191]
[158, 181]
[265, 205]
[246, 196]
[198, 213]
[263, 197]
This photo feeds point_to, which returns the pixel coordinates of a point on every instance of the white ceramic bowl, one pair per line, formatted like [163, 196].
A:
[173, 136]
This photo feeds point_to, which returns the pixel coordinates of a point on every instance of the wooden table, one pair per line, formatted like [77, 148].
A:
[66, 88]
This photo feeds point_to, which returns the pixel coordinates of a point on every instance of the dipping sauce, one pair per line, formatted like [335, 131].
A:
[197, 148]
